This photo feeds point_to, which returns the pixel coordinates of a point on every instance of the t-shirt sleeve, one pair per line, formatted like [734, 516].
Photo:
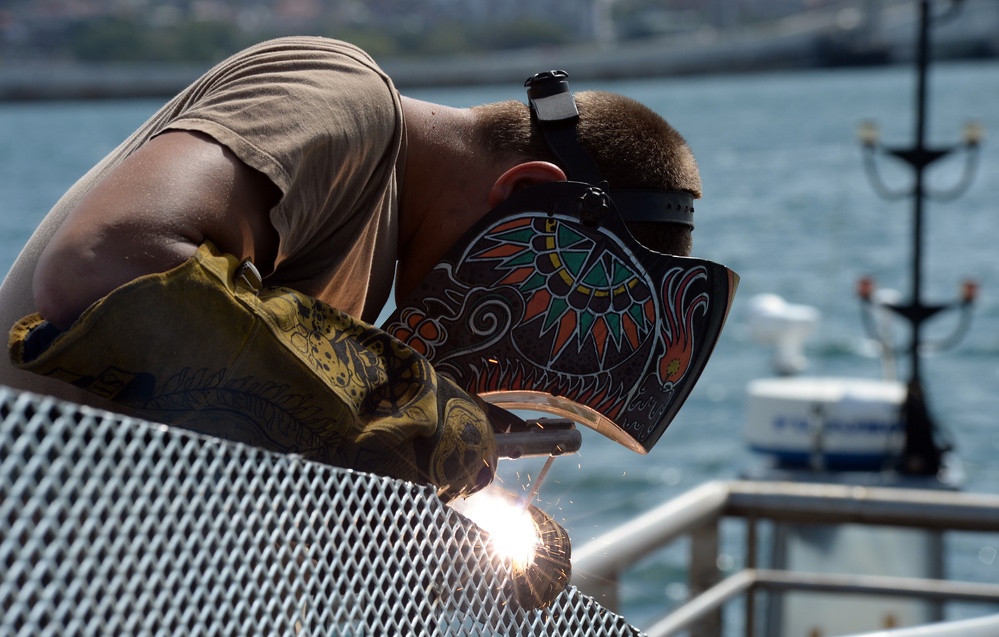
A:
[317, 117]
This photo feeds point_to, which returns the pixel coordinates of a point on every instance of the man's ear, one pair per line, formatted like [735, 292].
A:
[530, 173]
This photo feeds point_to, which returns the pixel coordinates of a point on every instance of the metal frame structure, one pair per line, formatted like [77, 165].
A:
[116, 526]
[599, 565]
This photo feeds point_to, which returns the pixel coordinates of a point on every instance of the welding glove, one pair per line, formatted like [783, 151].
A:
[205, 348]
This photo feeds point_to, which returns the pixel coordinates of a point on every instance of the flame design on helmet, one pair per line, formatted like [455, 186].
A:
[679, 317]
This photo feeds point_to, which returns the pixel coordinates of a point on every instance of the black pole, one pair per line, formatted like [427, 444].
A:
[922, 62]
[921, 454]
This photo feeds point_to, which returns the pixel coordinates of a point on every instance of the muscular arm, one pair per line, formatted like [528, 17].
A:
[149, 214]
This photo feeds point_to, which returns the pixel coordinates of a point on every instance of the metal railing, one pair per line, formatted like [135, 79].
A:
[110, 525]
[599, 565]
[977, 627]
[115, 526]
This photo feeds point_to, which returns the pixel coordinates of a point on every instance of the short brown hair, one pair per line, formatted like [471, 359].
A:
[632, 145]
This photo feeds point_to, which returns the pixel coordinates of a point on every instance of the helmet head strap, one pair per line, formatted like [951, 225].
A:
[554, 109]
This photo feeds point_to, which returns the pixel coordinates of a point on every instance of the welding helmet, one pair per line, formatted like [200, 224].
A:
[549, 303]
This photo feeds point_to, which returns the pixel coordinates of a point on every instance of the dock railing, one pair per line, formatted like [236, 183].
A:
[599, 565]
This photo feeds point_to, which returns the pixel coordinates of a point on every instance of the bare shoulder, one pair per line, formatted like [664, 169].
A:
[149, 214]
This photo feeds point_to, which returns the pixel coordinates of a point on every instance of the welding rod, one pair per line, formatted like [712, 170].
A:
[533, 493]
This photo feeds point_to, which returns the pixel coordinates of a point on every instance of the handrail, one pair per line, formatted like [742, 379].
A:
[750, 579]
[598, 565]
[838, 503]
[623, 546]
[977, 627]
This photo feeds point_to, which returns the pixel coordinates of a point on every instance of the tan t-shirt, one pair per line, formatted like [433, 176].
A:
[321, 120]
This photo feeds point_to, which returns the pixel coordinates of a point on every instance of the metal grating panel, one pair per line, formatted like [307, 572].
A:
[110, 525]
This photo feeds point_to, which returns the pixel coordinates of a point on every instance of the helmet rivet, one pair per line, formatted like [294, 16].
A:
[593, 206]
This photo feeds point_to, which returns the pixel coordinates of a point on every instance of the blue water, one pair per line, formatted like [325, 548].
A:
[787, 205]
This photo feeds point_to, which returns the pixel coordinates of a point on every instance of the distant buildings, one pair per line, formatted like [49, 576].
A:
[35, 28]
[597, 38]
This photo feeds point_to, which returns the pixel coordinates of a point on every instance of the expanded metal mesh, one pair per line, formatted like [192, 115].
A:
[110, 525]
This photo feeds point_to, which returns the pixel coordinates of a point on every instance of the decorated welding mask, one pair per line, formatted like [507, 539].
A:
[550, 304]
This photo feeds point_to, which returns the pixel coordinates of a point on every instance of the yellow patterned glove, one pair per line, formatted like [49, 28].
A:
[202, 347]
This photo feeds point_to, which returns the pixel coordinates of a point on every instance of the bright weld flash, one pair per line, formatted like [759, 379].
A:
[513, 532]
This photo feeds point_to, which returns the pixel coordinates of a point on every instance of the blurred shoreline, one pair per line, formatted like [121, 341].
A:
[787, 46]
[39, 81]
[52, 80]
